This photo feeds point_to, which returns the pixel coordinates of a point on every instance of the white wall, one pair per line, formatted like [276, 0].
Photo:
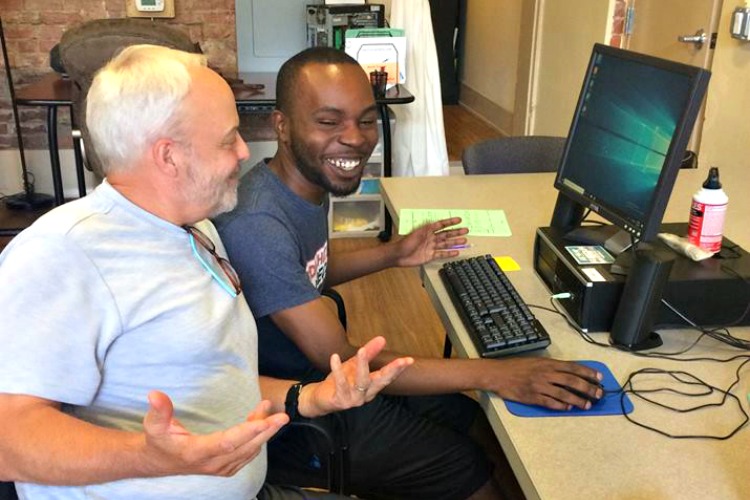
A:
[726, 130]
[491, 49]
[490, 59]
[37, 162]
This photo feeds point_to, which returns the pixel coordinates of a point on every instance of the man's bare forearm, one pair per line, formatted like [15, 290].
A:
[43, 445]
[436, 375]
[347, 266]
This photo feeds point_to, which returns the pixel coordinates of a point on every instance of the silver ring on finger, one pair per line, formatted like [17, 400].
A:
[360, 388]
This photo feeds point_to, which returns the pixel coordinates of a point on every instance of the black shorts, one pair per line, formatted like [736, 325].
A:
[399, 447]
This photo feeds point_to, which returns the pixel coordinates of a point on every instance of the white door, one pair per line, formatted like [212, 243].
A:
[658, 26]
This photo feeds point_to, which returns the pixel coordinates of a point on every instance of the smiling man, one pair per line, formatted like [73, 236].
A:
[412, 443]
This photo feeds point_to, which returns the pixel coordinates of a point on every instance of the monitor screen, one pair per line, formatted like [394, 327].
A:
[629, 133]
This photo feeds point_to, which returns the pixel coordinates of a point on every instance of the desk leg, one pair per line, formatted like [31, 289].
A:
[385, 234]
[54, 154]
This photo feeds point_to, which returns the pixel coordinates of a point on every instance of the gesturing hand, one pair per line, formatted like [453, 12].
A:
[429, 242]
[350, 384]
[171, 449]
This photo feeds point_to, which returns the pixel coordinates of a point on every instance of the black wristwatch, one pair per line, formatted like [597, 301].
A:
[291, 404]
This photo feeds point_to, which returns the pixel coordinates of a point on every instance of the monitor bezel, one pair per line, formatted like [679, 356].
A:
[647, 228]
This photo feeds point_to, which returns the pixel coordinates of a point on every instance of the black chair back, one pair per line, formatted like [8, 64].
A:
[509, 155]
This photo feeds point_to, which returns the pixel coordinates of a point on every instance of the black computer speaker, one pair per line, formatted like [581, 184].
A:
[641, 299]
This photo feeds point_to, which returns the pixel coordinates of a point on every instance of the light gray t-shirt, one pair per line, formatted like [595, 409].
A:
[103, 302]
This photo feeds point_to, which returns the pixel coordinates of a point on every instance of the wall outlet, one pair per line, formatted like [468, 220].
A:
[150, 8]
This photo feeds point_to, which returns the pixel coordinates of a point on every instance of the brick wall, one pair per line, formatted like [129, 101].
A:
[33, 27]
[618, 23]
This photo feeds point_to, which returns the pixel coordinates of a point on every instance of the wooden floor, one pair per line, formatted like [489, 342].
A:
[463, 128]
[391, 303]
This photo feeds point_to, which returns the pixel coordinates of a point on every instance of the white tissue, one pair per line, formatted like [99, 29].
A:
[684, 247]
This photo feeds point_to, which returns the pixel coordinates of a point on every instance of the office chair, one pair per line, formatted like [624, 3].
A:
[87, 47]
[510, 155]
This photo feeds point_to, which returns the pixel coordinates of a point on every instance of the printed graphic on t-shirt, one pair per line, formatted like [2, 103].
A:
[316, 267]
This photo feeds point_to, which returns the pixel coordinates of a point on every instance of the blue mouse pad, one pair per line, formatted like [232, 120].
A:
[608, 405]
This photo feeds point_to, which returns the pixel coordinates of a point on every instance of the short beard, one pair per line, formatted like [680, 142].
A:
[315, 175]
[204, 189]
[226, 204]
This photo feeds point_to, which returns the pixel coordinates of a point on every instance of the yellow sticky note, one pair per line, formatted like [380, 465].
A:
[507, 263]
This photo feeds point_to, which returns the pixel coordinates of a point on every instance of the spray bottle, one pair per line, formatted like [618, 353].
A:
[707, 214]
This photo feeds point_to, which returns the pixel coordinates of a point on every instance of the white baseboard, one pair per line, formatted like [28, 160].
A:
[455, 168]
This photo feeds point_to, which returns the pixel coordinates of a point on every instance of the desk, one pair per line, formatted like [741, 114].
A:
[53, 91]
[564, 458]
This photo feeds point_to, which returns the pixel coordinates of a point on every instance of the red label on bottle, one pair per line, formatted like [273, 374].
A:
[706, 225]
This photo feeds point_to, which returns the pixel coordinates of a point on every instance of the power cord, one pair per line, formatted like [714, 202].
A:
[628, 387]
[689, 380]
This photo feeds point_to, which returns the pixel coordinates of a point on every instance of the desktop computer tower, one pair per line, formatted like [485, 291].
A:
[713, 292]
[327, 24]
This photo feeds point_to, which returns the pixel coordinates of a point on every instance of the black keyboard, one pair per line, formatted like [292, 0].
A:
[497, 318]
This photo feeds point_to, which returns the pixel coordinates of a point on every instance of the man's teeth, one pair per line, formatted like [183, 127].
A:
[344, 164]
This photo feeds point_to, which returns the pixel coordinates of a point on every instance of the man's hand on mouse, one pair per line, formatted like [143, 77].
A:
[559, 385]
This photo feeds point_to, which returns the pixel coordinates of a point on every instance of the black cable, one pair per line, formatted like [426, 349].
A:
[543, 308]
[690, 380]
[681, 376]
[584, 335]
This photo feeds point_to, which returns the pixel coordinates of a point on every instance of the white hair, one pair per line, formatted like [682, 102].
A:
[135, 98]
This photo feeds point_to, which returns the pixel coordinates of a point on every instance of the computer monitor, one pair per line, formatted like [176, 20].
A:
[627, 140]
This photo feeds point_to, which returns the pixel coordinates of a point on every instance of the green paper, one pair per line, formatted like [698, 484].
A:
[479, 222]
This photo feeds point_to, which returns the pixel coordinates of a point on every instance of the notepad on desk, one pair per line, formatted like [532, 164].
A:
[479, 222]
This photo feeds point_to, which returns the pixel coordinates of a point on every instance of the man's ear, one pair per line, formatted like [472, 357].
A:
[166, 155]
[280, 125]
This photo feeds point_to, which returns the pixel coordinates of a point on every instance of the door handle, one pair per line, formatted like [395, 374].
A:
[698, 39]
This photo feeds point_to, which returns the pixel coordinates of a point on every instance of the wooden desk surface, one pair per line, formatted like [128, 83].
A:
[602, 456]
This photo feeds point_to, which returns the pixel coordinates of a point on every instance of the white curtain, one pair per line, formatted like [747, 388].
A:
[419, 139]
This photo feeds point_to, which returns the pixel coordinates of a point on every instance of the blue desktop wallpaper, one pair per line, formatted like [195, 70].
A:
[623, 133]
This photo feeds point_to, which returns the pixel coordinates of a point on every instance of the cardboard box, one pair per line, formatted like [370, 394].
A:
[376, 48]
